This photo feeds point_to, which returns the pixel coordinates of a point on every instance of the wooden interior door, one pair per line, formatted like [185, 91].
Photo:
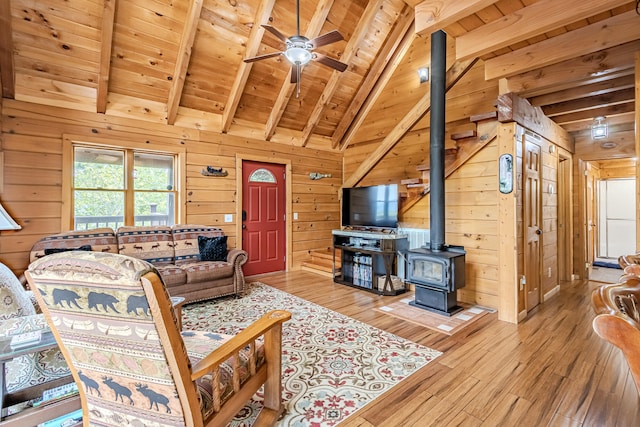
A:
[532, 221]
[590, 199]
[564, 219]
[263, 218]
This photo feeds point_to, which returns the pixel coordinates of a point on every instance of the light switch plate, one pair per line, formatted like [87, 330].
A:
[295, 215]
[228, 217]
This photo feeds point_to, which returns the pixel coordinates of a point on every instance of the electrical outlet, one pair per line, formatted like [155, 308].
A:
[228, 217]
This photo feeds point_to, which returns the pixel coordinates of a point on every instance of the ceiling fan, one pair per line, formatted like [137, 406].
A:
[299, 50]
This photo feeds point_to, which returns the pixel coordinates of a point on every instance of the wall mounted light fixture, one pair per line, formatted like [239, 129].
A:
[317, 175]
[423, 72]
[599, 128]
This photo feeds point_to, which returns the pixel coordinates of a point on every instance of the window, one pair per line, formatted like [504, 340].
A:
[114, 186]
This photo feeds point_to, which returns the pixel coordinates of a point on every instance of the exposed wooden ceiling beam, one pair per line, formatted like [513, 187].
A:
[286, 89]
[584, 91]
[361, 30]
[255, 37]
[378, 88]
[183, 57]
[106, 42]
[6, 51]
[589, 103]
[610, 32]
[454, 74]
[434, 15]
[595, 67]
[606, 111]
[385, 57]
[539, 18]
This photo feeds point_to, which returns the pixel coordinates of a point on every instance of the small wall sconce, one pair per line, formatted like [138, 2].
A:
[317, 175]
[423, 72]
[599, 128]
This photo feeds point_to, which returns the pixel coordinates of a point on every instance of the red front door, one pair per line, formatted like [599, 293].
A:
[263, 224]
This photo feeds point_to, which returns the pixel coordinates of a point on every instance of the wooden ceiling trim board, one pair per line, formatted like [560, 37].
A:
[541, 17]
[576, 92]
[585, 125]
[378, 88]
[590, 68]
[184, 55]
[454, 74]
[611, 32]
[397, 37]
[6, 51]
[106, 37]
[364, 24]
[286, 89]
[589, 103]
[607, 111]
[253, 45]
[434, 15]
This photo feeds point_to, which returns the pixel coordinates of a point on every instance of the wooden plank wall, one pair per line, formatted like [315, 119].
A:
[471, 220]
[32, 146]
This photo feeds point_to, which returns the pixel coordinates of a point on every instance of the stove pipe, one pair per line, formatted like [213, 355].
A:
[436, 149]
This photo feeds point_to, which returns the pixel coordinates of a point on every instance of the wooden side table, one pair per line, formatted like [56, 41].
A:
[178, 302]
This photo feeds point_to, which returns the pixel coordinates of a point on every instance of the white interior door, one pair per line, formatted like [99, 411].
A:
[617, 214]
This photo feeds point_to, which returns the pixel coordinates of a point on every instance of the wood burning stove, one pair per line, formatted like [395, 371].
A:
[437, 276]
[437, 271]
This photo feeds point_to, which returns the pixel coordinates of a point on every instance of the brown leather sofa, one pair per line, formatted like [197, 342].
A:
[174, 251]
[617, 307]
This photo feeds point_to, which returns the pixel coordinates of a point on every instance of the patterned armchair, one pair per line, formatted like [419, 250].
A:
[18, 314]
[116, 327]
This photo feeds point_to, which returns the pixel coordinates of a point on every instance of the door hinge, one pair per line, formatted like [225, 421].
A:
[586, 173]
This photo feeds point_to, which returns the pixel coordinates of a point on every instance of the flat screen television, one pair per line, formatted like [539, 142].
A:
[370, 207]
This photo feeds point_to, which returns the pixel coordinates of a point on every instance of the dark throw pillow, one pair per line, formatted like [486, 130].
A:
[212, 248]
[49, 251]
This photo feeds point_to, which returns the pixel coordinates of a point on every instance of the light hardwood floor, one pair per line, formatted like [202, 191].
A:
[551, 370]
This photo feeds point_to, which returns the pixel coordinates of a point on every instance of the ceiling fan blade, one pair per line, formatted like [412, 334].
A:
[260, 57]
[330, 62]
[276, 33]
[327, 38]
[295, 73]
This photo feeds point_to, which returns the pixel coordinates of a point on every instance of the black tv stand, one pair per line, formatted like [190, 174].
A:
[368, 260]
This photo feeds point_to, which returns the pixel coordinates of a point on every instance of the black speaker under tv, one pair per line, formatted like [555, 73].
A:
[370, 207]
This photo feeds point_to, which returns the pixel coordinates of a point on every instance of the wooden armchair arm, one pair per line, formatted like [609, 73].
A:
[245, 338]
[624, 333]
[626, 260]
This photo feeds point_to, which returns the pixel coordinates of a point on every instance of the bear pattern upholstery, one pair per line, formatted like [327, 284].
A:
[107, 323]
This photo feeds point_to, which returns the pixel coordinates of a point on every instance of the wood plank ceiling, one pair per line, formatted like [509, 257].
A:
[181, 61]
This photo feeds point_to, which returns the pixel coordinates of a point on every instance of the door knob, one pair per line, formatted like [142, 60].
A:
[538, 231]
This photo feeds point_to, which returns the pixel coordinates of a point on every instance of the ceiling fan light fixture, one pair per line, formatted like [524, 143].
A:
[297, 54]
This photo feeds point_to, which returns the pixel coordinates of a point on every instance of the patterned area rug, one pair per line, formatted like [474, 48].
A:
[333, 365]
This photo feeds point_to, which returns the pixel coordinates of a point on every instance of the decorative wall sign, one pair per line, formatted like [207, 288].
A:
[211, 171]
[506, 173]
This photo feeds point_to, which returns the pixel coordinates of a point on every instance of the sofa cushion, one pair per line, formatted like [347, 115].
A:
[99, 239]
[49, 251]
[185, 237]
[212, 248]
[205, 271]
[153, 244]
[172, 275]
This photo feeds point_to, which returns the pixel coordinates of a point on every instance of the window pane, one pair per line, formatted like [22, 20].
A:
[93, 209]
[154, 208]
[262, 175]
[153, 172]
[96, 168]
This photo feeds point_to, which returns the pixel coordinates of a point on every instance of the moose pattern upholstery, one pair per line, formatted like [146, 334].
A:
[116, 327]
[19, 315]
[172, 250]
